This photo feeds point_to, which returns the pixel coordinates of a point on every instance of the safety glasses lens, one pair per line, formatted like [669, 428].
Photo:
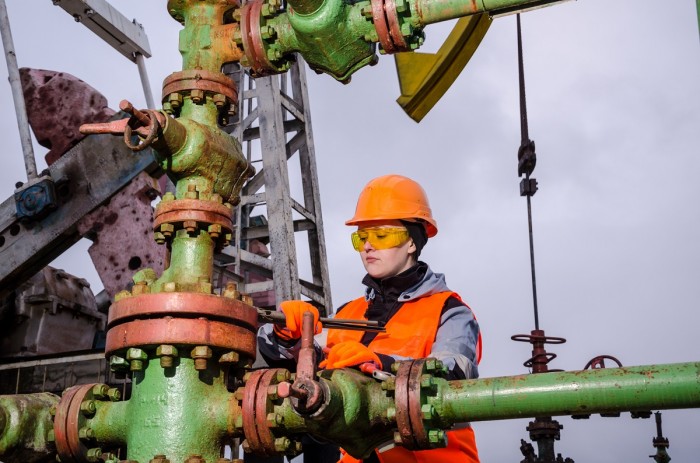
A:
[379, 238]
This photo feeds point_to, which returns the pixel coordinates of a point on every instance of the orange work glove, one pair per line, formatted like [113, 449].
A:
[349, 354]
[294, 312]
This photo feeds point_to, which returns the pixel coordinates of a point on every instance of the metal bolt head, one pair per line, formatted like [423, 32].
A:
[169, 287]
[432, 365]
[214, 230]
[200, 354]
[395, 367]
[167, 229]
[282, 444]
[246, 299]
[229, 357]
[166, 349]
[159, 238]
[175, 100]
[117, 364]
[94, 455]
[274, 420]
[99, 391]
[219, 100]
[428, 412]
[437, 438]
[245, 445]
[135, 353]
[159, 459]
[197, 96]
[86, 433]
[239, 394]
[114, 394]
[391, 413]
[88, 407]
[169, 196]
[195, 459]
[50, 436]
[366, 11]
[397, 438]
[427, 382]
[140, 288]
[190, 226]
[282, 375]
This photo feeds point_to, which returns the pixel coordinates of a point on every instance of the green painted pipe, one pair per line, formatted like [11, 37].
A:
[177, 412]
[339, 37]
[26, 426]
[433, 11]
[653, 387]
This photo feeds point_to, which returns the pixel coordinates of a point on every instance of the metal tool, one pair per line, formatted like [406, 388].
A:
[273, 316]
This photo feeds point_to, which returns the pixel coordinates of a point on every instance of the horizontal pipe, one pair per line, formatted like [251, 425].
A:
[434, 11]
[652, 387]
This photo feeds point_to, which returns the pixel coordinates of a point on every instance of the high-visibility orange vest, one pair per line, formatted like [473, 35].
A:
[411, 333]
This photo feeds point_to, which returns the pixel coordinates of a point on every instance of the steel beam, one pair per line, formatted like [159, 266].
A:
[86, 176]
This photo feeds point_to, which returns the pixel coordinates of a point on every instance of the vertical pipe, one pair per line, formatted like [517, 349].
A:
[17, 95]
[143, 74]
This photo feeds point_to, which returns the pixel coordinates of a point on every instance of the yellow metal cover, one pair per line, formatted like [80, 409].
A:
[425, 77]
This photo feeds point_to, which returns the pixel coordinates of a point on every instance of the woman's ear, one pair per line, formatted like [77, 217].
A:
[412, 249]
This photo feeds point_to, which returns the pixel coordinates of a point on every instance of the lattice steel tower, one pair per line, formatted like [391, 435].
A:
[274, 125]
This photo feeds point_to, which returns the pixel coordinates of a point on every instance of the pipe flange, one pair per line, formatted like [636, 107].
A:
[391, 19]
[184, 305]
[259, 418]
[414, 384]
[72, 432]
[258, 39]
[382, 27]
[193, 215]
[173, 331]
[199, 84]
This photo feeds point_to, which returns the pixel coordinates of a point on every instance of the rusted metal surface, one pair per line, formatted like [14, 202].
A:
[253, 45]
[307, 393]
[392, 18]
[65, 423]
[25, 424]
[540, 357]
[138, 333]
[179, 211]
[57, 104]
[183, 305]
[128, 213]
[599, 362]
[72, 425]
[198, 79]
[250, 428]
[403, 400]
[382, 27]
[258, 408]
[88, 175]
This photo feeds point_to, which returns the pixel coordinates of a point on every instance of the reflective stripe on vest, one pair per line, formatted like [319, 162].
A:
[411, 333]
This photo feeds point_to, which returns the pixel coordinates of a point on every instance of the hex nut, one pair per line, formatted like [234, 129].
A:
[200, 354]
[114, 394]
[99, 391]
[88, 407]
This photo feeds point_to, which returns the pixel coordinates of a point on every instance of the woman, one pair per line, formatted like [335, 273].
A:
[422, 316]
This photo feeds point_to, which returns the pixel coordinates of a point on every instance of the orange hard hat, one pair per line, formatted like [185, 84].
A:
[394, 197]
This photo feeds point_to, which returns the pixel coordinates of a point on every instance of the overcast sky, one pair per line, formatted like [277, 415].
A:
[614, 107]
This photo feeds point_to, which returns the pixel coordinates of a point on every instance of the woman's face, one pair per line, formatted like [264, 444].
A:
[385, 263]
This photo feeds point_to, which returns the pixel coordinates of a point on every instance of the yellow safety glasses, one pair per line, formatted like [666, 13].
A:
[379, 237]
